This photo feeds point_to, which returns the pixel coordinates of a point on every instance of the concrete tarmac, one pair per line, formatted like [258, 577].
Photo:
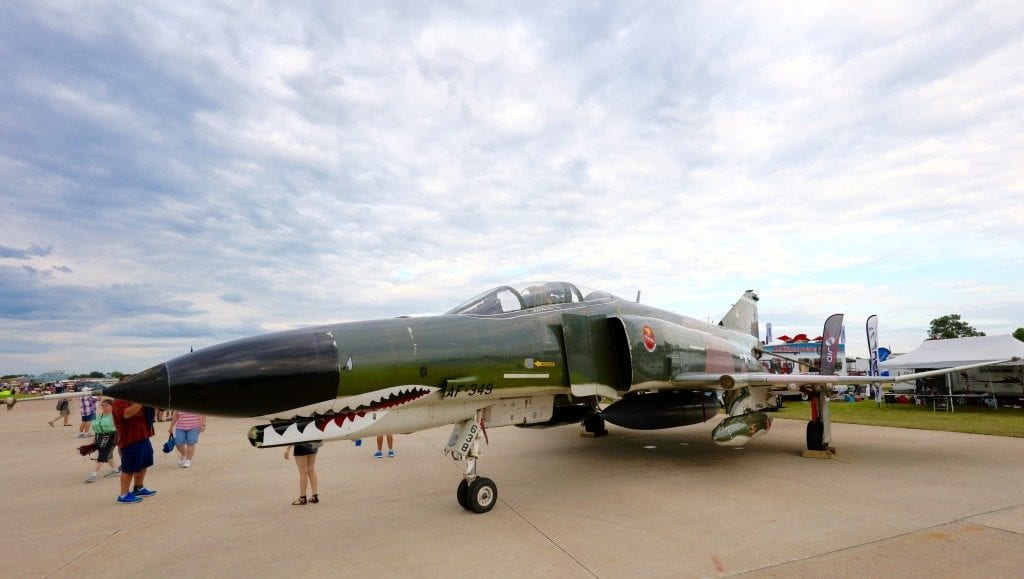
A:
[662, 504]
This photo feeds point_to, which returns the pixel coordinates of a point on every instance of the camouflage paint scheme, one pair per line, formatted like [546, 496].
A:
[549, 350]
[538, 355]
[550, 341]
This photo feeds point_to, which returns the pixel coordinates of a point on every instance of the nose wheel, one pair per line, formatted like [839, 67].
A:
[478, 496]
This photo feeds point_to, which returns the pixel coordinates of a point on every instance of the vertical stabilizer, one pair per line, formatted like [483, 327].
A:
[743, 315]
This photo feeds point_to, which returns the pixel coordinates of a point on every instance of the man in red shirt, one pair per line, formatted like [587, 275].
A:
[134, 424]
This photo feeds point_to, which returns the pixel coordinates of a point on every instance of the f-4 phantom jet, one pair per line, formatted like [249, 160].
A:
[536, 354]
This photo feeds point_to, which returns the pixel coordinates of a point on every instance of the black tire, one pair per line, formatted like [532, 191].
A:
[594, 424]
[816, 435]
[482, 495]
[462, 493]
[804, 396]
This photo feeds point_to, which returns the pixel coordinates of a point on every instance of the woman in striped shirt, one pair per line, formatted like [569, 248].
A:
[186, 427]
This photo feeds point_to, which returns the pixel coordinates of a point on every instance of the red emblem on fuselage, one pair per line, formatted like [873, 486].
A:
[649, 342]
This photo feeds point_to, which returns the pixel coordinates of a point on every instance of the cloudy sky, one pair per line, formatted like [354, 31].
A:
[175, 175]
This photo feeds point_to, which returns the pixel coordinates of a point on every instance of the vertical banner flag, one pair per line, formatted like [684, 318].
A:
[871, 326]
[842, 334]
[830, 344]
[768, 333]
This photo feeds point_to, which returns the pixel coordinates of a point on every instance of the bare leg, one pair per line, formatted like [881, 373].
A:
[311, 472]
[391, 442]
[126, 482]
[300, 462]
[190, 451]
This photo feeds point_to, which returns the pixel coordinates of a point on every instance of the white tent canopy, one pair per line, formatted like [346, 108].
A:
[959, 352]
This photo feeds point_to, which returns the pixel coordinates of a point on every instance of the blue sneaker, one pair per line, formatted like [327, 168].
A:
[128, 497]
[391, 454]
[144, 492]
[378, 454]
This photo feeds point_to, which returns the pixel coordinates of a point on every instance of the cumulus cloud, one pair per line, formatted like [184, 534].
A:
[206, 171]
[33, 250]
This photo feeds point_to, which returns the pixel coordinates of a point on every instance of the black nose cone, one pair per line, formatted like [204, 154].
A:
[150, 388]
[249, 377]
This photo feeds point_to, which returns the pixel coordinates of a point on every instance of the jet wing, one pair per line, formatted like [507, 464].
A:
[782, 381]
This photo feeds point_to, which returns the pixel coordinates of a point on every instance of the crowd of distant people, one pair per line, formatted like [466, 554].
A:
[127, 427]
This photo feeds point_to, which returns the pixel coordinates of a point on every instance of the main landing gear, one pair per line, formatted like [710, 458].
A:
[594, 424]
[475, 493]
[819, 429]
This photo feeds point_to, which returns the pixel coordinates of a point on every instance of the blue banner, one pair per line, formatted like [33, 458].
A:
[871, 327]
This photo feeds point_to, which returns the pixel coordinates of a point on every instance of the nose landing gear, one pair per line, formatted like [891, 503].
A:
[475, 493]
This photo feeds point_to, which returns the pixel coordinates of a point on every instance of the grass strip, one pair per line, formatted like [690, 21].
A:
[969, 419]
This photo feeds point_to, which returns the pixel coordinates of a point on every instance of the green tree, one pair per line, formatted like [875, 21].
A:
[116, 374]
[1019, 334]
[952, 326]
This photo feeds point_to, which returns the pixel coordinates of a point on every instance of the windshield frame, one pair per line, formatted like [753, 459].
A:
[527, 296]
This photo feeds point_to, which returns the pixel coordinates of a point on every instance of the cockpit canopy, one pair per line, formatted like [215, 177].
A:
[524, 296]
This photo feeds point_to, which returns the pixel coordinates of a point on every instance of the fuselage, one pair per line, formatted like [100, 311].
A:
[469, 358]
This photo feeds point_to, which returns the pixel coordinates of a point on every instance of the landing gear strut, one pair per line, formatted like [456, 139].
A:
[475, 493]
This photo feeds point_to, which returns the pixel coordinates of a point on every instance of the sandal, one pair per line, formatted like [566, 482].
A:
[315, 499]
[300, 501]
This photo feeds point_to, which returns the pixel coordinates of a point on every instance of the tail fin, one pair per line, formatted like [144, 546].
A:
[743, 315]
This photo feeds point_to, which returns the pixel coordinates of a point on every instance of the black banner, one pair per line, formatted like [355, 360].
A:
[830, 344]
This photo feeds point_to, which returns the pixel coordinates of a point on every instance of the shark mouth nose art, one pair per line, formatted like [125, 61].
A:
[356, 414]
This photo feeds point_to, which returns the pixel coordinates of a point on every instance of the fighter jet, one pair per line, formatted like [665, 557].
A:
[533, 355]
